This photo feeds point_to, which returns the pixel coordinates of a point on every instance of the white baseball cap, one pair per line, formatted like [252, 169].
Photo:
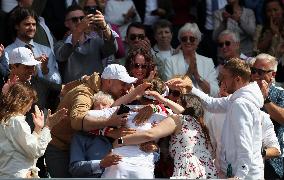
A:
[22, 55]
[116, 71]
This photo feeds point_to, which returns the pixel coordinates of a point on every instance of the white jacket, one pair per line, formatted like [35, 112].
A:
[19, 149]
[242, 133]
[176, 65]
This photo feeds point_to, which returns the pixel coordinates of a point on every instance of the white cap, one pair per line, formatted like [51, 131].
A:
[22, 55]
[116, 71]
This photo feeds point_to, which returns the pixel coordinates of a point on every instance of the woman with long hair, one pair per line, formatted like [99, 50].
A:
[20, 148]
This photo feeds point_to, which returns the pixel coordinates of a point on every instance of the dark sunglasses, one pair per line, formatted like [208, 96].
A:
[175, 93]
[186, 39]
[137, 66]
[226, 43]
[133, 37]
[260, 72]
[76, 19]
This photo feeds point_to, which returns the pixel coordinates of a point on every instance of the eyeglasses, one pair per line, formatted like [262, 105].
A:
[137, 66]
[75, 19]
[185, 39]
[175, 93]
[133, 37]
[226, 43]
[260, 72]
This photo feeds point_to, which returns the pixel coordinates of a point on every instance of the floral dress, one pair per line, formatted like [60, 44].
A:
[192, 158]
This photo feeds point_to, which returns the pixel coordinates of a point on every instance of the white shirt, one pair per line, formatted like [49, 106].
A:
[19, 149]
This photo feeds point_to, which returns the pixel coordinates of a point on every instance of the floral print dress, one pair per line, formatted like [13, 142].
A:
[192, 158]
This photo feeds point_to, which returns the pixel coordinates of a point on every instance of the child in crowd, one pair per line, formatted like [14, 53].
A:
[20, 149]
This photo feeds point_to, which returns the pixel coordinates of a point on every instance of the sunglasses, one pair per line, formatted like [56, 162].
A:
[137, 66]
[75, 19]
[226, 43]
[260, 72]
[133, 37]
[186, 39]
[175, 93]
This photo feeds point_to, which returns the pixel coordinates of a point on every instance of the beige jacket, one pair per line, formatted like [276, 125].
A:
[78, 101]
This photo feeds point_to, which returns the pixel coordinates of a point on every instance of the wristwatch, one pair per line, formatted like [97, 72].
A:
[120, 141]
[267, 100]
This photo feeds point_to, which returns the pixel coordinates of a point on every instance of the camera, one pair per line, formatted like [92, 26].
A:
[123, 109]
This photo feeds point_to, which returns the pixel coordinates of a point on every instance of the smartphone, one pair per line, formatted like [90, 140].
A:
[123, 109]
[229, 9]
[91, 9]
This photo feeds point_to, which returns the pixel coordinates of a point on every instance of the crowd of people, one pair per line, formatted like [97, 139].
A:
[142, 89]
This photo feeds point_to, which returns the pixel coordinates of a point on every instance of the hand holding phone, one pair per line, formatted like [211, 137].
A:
[123, 109]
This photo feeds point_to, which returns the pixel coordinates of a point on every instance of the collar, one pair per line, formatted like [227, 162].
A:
[157, 50]
[21, 43]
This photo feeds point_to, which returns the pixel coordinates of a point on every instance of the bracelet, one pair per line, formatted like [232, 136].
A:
[155, 109]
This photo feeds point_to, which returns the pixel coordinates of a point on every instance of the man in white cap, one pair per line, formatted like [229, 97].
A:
[115, 81]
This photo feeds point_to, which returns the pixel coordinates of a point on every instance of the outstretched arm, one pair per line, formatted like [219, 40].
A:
[163, 129]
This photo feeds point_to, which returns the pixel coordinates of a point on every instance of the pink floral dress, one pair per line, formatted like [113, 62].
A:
[192, 158]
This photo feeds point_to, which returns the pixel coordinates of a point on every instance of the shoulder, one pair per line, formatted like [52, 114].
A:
[42, 47]
[248, 11]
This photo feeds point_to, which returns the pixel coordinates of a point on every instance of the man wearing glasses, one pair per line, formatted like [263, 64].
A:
[263, 72]
[89, 41]
[229, 46]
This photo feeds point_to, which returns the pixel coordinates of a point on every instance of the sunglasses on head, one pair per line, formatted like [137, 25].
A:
[137, 66]
[133, 37]
[175, 93]
[186, 39]
[260, 72]
[76, 19]
[226, 43]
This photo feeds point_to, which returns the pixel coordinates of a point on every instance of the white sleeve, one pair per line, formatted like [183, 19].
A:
[31, 145]
[269, 138]
[107, 112]
[214, 105]
[242, 121]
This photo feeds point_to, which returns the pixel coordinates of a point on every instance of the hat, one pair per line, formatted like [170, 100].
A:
[116, 71]
[22, 55]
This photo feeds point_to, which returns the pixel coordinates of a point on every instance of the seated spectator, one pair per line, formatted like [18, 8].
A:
[190, 142]
[162, 50]
[20, 149]
[236, 18]
[229, 47]
[139, 64]
[187, 61]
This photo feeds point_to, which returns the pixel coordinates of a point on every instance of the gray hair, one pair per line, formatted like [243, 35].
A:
[270, 59]
[102, 97]
[233, 34]
[193, 28]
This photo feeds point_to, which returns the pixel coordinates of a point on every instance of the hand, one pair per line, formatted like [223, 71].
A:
[145, 44]
[9, 83]
[155, 94]
[226, 15]
[274, 25]
[142, 87]
[120, 132]
[143, 115]
[86, 22]
[193, 68]
[109, 160]
[100, 20]
[38, 119]
[117, 120]
[1, 50]
[180, 84]
[149, 147]
[264, 87]
[129, 15]
[44, 63]
[55, 118]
